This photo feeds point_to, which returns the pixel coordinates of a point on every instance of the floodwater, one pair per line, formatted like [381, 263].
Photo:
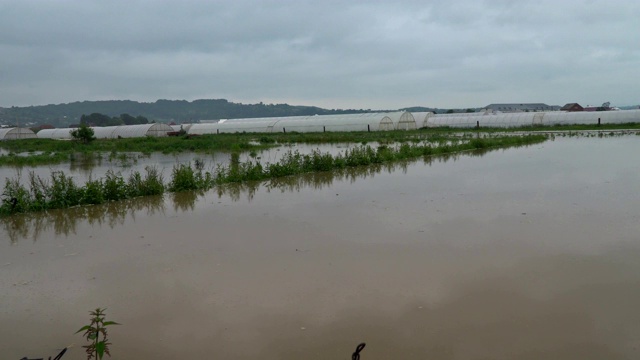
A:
[525, 253]
[81, 170]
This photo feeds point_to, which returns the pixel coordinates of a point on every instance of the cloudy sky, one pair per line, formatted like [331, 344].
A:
[333, 54]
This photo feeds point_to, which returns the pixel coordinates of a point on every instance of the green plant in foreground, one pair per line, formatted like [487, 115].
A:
[97, 348]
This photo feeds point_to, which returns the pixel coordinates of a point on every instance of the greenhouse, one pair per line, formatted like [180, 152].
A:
[142, 130]
[257, 125]
[342, 122]
[301, 124]
[502, 120]
[16, 133]
[452, 121]
[184, 127]
[361, 122]
[104, 132]
[421, 118]
[505, 120]
[591, 117]
[314, 123]
[477, 113]
[405, 121]
[61, 134]
[111, 132]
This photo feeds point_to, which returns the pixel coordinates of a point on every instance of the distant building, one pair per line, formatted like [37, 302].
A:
[605, 107]
[522, 107]
[572, 107]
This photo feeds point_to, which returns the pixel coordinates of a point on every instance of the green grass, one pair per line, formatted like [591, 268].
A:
[63, 149]
[61, 192]
[12, 159]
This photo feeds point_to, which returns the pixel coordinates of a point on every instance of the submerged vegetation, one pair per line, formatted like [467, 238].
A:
[60, 191]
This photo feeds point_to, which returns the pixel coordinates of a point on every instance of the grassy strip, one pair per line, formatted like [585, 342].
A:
[222, 142]
[62, 192]
[12, 159]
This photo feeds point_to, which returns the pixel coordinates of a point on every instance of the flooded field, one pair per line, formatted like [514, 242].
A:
[125, 163]
[526, 253]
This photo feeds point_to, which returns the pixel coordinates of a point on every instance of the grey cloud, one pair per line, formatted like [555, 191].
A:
[334, 54]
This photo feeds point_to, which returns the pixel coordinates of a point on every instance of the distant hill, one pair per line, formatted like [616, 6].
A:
[632, 107]
[418, 109]
[440, 111]
[178, 111]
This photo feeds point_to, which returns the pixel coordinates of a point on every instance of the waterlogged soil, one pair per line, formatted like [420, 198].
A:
[525, 253]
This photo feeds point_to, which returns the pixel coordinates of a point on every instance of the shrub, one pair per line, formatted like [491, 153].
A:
[83, 134]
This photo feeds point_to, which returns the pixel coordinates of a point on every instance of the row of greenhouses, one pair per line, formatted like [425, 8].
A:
[409, 121]
[400, 120]
[506, 120]
[112, 132]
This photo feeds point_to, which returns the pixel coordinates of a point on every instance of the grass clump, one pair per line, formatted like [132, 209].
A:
[60, 191]
[185, 177]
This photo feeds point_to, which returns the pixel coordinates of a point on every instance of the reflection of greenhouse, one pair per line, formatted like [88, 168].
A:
[16, 133]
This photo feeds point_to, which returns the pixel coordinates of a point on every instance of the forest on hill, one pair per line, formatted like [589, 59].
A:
[178, 111]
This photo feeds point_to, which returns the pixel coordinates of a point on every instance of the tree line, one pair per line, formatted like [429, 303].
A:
[179, 111]
[97, 119]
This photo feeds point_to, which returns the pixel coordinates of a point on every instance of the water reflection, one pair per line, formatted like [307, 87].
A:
[186, 200]
[64, 222]
[322, 180]
[85, 166]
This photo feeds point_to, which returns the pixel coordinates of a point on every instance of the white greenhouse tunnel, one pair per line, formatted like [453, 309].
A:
[16, 133]
[112, 132]
[315, 123]
[62, 134]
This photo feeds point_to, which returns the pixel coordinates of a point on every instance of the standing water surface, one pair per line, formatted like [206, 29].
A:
[525, 253]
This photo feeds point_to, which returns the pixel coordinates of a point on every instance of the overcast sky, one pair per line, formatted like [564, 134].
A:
[333, 54]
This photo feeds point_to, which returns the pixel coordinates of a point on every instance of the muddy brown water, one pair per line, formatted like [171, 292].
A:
[525, 253]
[82, 169]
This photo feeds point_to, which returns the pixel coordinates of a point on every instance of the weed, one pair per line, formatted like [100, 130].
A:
[97, 327]
[185, 177]
[199, 164]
